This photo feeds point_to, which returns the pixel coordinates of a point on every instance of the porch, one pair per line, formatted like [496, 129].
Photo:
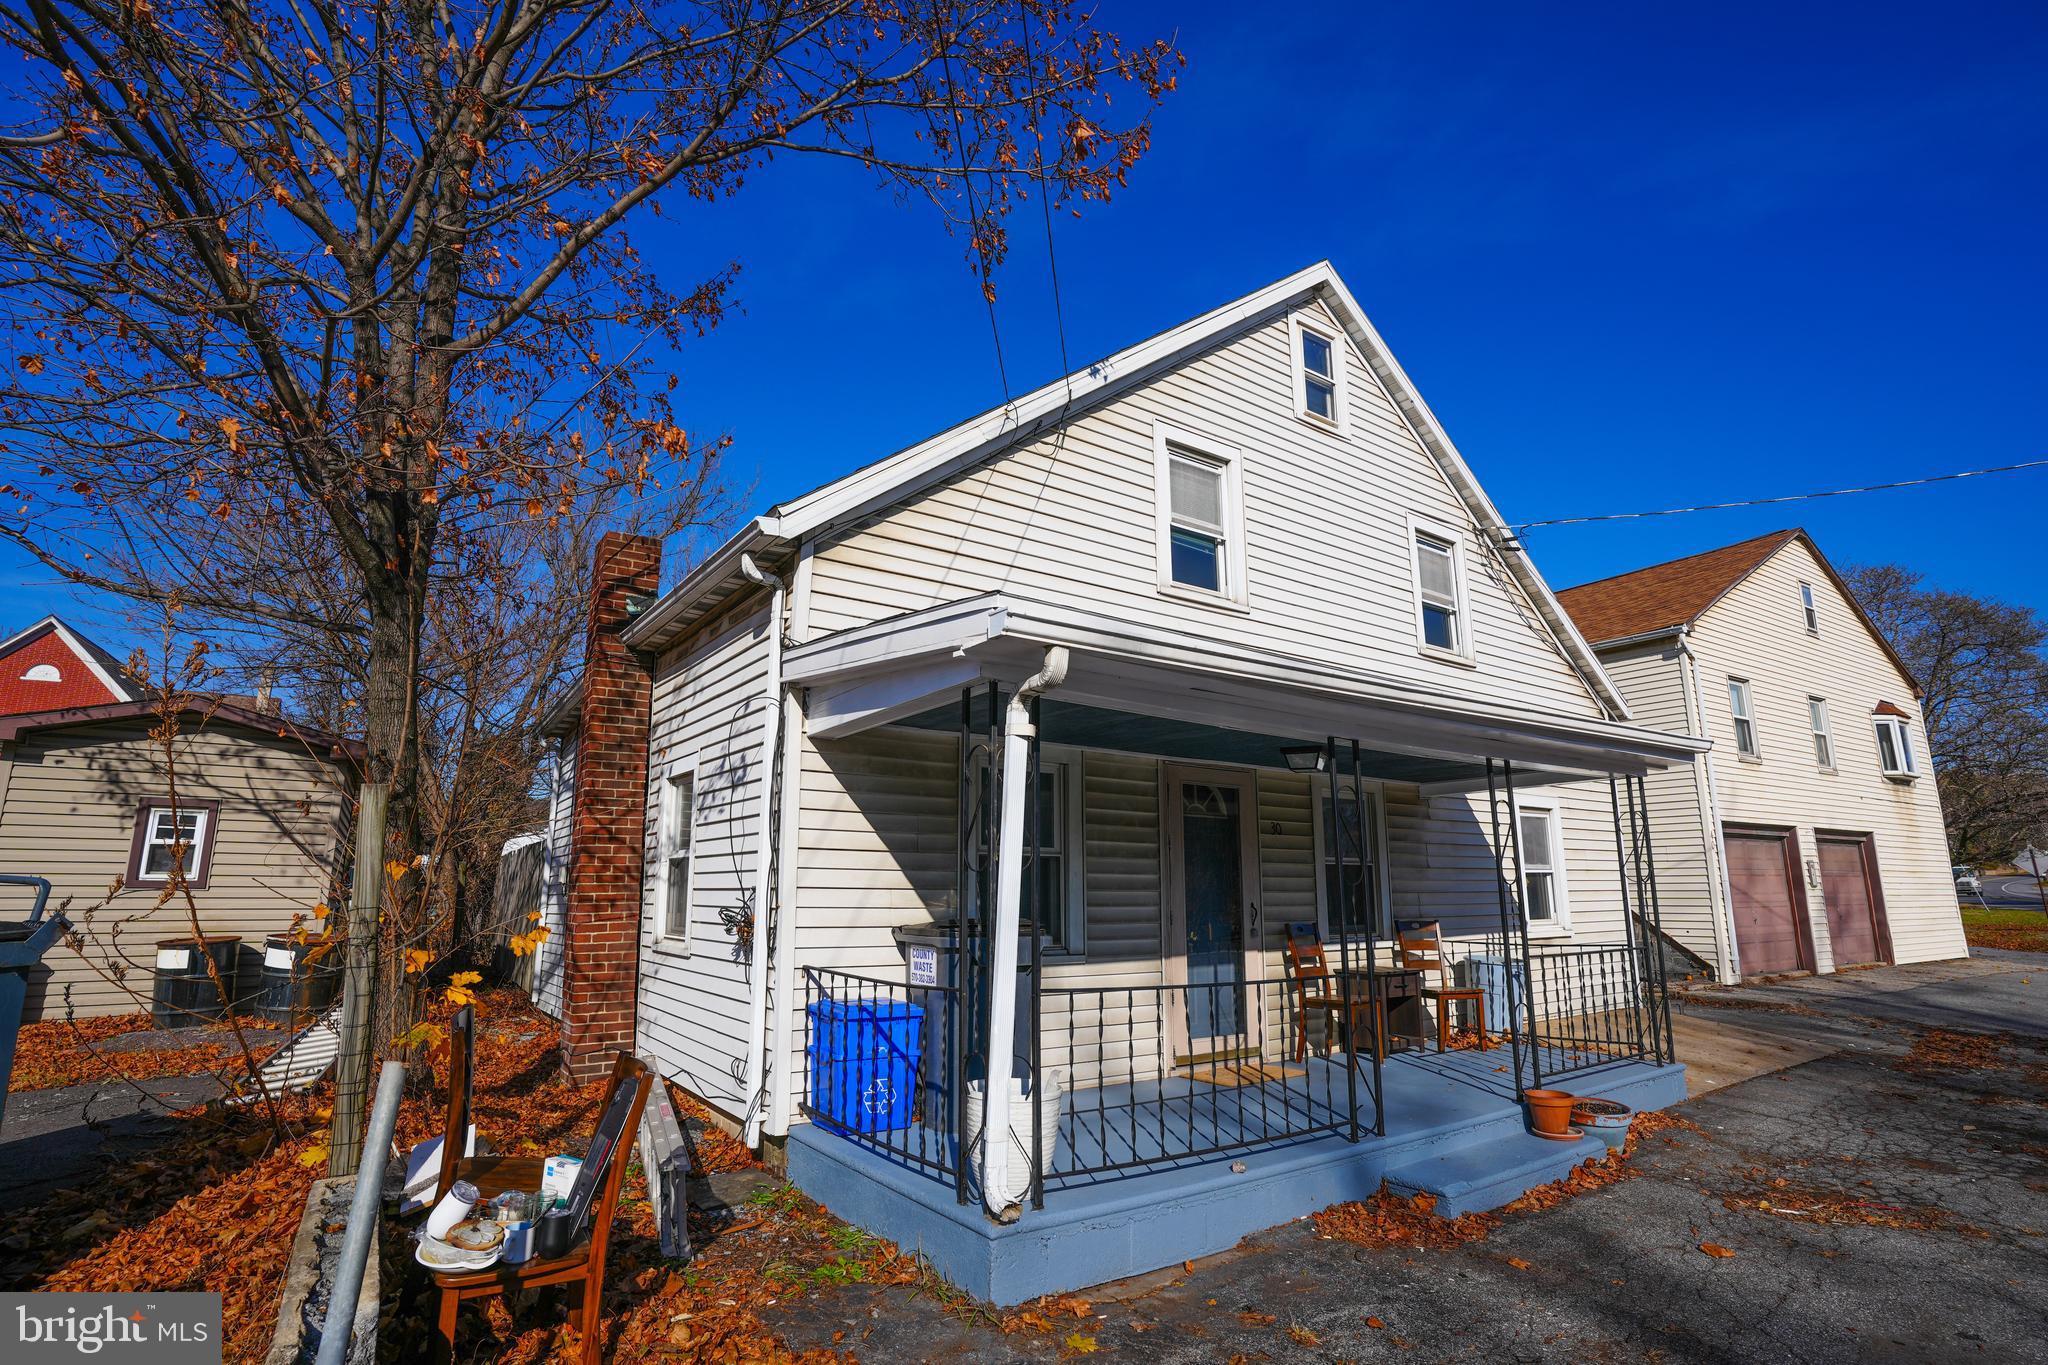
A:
[1131, 853]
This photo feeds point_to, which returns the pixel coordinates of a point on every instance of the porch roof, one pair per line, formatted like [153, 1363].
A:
[1145, 689]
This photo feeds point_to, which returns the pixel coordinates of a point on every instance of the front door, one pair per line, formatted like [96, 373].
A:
[1855, 919]
[1211, 857]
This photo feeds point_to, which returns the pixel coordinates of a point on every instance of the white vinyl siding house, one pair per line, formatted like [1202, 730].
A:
[1806, 751]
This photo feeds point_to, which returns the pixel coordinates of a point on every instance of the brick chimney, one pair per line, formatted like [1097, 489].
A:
[602, 963]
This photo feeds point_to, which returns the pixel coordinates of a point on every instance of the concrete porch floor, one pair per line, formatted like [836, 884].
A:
[1453, 1130]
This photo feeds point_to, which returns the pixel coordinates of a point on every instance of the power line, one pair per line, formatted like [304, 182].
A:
[1790, 497]
[988, 295]
[1052, 262]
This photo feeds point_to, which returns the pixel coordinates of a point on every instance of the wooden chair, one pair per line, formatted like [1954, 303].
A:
[1317, 991]
[1420, 944]
[461, 1098]
[582, 1269]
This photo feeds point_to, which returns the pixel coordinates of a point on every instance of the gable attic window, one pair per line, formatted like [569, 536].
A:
[1442, 623]
[168, 837]
[1808, 609]
[43, 673]
[1894, 743]
[1318, 373]
[1201, 519]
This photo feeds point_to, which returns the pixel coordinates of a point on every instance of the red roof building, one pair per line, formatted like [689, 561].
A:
[50, 667]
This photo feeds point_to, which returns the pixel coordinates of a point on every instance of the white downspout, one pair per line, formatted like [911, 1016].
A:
[764, 863]
[1018, 732]
[1719, 897]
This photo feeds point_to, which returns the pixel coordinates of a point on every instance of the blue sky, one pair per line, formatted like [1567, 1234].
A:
[1634, 257]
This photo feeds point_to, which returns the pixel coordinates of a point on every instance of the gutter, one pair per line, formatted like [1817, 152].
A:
[756, 537]
[751, 1087]
[1720, 895]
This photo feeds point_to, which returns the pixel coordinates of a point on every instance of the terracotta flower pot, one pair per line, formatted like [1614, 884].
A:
[1550, 1113]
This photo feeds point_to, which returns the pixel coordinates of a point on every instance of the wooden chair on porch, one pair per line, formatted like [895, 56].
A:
[581, 1270]
[1317, 990]
[1420, 946]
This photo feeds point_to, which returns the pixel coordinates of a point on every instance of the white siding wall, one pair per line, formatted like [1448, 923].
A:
[1069, 518]
[553, 952]
[708, 717]
[1757, 632]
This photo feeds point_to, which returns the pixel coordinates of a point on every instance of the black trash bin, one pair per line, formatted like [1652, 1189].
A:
[185, 994]
[294, 989]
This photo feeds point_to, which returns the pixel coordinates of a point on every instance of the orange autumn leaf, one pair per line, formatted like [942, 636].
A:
[1715, 1249]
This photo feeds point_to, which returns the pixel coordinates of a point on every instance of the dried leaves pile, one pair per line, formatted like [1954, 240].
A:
[1812, 1204]
[1940, 1049]
[61, 1052]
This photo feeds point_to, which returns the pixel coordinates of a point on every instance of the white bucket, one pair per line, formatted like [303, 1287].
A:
[1018, 1176]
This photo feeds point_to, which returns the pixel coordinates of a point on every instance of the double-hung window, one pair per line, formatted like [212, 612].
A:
[1056, 878]
[1201, 519]
[1318, 378]
[678, 804]
[1808, 609]
[168, 838]
[1823, 740]
[1440, 617]
[1894, 743]
[1539, 849]
[1740, 712]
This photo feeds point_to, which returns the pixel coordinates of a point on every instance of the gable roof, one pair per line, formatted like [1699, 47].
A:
[111, 672]
[209, 710]
[1666, 597]
[771, 539]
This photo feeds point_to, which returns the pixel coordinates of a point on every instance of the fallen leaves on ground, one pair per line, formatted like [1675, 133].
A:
[1715, 1249]
[1714, 998]
[2017, 931]
[1782, 1198]
[54, 1053]
[1952, 1050]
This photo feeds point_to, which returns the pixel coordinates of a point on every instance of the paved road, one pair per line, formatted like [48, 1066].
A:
[2019, 893]
[1617, 1274]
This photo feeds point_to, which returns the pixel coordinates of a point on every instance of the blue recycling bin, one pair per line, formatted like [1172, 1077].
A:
[22, 945]
[864, 1056]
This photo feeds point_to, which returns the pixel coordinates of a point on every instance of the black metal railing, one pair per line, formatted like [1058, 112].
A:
[878, 1066]
[1160, 1074]
[1589, 1007]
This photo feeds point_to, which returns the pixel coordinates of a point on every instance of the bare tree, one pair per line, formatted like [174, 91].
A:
[1984, 684]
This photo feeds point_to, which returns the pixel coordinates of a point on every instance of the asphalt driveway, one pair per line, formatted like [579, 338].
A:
[1884, 1194]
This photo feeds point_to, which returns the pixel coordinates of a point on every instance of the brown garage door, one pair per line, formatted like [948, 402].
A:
[1768, 907]
[1855, 909]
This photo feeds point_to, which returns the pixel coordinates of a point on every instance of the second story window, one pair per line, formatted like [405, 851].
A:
[1318, 376]
[1894, 742]
[1201, 521]
[1823, 741]
[1440, 617]
[1808, 610]
[1745, 719]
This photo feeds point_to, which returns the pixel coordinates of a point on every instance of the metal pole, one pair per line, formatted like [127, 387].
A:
[1035, 905]
[956, 1014]
[1375, 997]
[1642, 797]
[1507, 778]
[1338, 914]
[362, 1219]
[1637, 1010]
[1507, 960]
[359, 981]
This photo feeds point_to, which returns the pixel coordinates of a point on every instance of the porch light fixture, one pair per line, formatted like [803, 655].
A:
[1306, 758]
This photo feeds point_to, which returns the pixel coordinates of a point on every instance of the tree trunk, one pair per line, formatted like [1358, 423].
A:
[391, 735]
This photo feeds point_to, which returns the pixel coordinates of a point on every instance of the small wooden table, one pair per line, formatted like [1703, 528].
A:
[1401, 989]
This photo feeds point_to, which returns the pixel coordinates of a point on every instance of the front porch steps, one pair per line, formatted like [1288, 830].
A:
[1444, 1136]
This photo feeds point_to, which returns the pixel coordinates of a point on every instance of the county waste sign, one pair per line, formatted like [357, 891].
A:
[164, 1329]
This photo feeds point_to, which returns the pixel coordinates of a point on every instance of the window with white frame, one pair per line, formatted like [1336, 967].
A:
[1316, 360]
[1740, 712]
[1894, 745]
[1808, 609]
[678, 803]
[1058, 874]
[1356, 834]
[1823, 740]
[1440, 592]
[1201, 517]
[1539, 846]
[167, 838]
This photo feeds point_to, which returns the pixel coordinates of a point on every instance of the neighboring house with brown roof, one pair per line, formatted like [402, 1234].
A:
[1811, 836]
[86, 800]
